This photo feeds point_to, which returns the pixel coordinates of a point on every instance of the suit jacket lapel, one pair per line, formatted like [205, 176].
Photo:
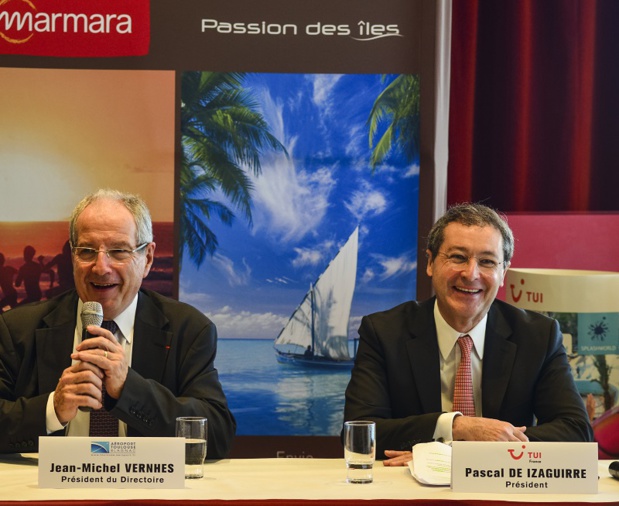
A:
[54, 343]
[499, 356]
[151, 342]
[423, 353]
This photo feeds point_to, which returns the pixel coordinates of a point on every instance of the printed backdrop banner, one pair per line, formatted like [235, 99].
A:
[281, 148]
[586, 305]
[563, 290]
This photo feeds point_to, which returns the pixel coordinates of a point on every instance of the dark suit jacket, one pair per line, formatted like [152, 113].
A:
[172, 372]
[526, 378]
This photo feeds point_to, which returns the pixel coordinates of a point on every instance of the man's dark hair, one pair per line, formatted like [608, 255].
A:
[472, 215]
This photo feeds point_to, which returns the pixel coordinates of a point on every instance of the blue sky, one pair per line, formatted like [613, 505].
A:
[306, 206]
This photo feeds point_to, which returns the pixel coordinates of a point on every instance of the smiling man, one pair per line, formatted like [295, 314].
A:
[151, 360]
[463, 365]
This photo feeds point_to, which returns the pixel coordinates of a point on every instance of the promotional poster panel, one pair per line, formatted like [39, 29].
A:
[280, 147]
[586, 306]
[325, 237]
[65, 133]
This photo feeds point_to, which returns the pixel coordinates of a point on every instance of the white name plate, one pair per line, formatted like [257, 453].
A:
[85, 462]
[524, 468]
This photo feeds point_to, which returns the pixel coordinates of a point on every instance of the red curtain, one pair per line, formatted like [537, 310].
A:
[534, 112]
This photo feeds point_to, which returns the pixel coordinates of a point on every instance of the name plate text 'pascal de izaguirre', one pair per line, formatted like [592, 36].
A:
[529, 468]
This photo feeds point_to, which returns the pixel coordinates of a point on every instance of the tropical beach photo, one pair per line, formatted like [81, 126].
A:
[298, 215]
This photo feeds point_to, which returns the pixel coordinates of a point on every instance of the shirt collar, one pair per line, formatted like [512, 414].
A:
[447, 336]
[124, 320]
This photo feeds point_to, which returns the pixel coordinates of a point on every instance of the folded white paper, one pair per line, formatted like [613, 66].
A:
[431, 464]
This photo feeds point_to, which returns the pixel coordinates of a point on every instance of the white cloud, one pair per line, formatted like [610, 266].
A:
[366, 201]
[290, 204]
[357, 146]
[412, 171]
[245, 324]
[313, 256]
[196, 299]
[367, 276]
[323, 85]
[395, 266]
[391, 173]
[354, 323]
[388, 170]
[306, 256]
[283, 280]
[288, 201]
[236, 276]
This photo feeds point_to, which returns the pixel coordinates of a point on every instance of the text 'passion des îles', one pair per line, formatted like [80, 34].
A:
[363, 29]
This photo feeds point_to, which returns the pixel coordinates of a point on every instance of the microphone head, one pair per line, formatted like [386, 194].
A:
[92, 314]
[613, 469]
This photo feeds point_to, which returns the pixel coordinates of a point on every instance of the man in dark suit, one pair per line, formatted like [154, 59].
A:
[158, 364]
[406, 367]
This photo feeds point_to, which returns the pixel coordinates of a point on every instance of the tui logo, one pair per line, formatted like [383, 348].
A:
[513, 455]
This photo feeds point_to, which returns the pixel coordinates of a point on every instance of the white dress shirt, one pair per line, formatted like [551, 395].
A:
[79, 426]
[449, 360]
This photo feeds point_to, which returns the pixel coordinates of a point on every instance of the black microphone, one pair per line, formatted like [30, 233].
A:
[92, 314]
[613, 469]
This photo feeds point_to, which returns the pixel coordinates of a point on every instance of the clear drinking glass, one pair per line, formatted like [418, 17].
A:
[195, 431]
[360, 450]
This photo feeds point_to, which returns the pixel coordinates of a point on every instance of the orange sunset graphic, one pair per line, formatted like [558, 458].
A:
[63, 134]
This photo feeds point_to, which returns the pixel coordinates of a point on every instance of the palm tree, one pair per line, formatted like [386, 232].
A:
[223, 136]
[398, 103]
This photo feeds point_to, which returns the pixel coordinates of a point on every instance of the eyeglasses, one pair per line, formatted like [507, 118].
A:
[120, 256]
[486, 264]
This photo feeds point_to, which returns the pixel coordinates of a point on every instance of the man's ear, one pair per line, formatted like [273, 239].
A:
[430, 263]
[150, 257]
[507, 264]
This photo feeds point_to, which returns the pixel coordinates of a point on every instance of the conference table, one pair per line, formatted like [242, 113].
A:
[279, 481]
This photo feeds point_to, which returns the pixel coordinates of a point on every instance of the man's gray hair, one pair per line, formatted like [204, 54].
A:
[136, 206]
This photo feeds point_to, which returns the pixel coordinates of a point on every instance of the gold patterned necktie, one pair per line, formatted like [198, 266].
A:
[464, 401]
[102, 423]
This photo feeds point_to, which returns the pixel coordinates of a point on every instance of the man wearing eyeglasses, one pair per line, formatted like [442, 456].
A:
[463, 365]
[153, 363]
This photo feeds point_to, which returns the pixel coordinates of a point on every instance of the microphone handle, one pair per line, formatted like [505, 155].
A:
[86, 335]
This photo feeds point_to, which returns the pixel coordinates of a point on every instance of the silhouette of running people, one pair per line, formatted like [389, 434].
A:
[64, 268]
[30, 275]
[9, 294]
[47, 270]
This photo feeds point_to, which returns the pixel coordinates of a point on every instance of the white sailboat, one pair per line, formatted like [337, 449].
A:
[316, 334]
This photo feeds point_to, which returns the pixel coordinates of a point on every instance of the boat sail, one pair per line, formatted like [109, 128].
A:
[316, 334]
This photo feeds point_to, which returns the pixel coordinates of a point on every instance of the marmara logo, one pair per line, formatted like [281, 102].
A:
[12, 40]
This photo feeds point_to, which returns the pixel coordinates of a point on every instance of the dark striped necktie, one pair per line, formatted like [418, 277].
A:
[102, 423]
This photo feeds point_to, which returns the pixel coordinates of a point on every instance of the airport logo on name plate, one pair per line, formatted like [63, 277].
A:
[83, 462]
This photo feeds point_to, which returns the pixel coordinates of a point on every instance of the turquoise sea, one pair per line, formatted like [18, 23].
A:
[269, 398]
